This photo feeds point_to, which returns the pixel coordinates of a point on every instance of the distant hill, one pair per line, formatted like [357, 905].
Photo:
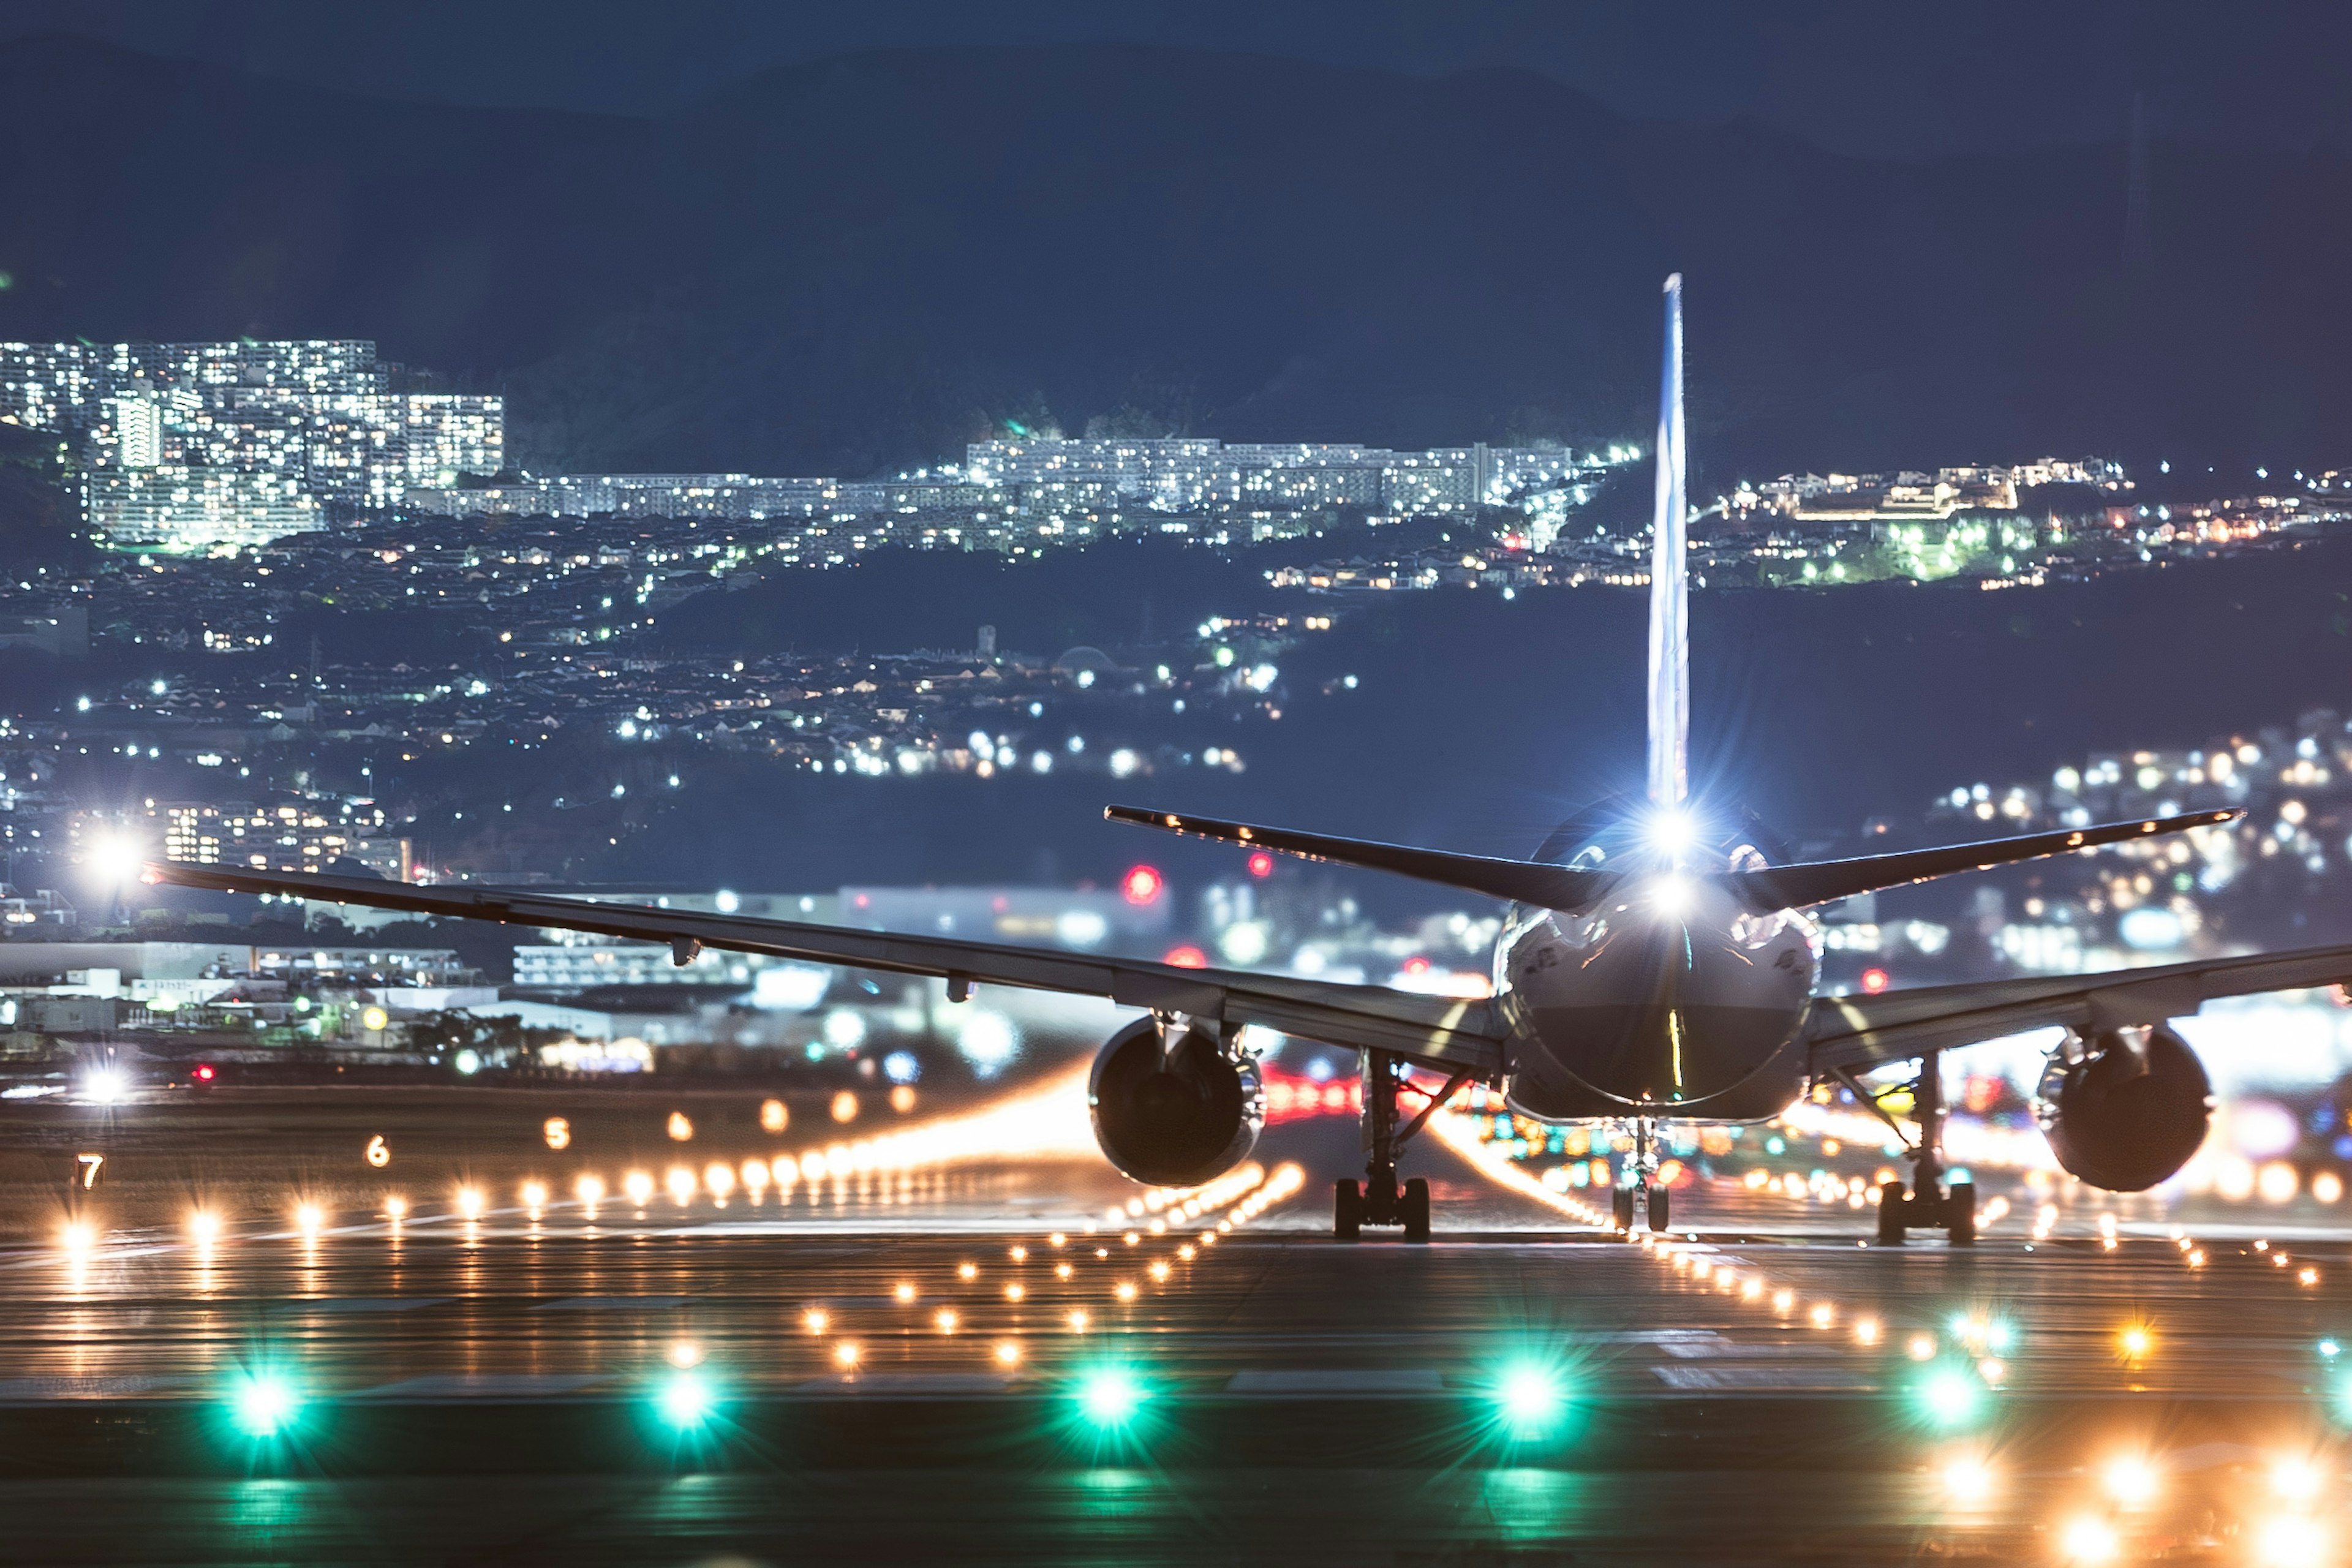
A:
[857, 263]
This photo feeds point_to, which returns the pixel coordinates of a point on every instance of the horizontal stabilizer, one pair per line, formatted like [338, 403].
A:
[1522, 881]
[1823, 881]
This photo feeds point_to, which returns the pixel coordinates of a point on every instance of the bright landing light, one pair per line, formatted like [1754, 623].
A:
[1671, 830]
[1673, 896]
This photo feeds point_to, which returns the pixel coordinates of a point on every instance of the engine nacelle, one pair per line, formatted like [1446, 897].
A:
[1173, 1114]
[2123, 1114]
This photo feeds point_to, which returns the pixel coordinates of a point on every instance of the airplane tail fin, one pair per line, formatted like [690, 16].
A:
[1669, 667]
[1824, 881]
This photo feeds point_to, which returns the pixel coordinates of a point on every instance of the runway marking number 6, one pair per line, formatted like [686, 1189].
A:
[378, 1153]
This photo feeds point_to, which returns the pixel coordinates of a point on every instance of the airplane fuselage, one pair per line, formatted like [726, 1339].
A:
[1668, 998]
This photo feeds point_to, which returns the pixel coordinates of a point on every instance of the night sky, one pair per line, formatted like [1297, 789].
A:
[1864, 77]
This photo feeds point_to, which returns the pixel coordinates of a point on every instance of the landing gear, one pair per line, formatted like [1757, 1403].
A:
[1379, 1199]
[1643, 1190]
[1931, 1202]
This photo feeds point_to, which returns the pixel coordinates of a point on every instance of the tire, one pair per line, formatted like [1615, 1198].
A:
[1416, 1210]
[1661, 1211]
[1348, 1211]
[1622, 1202]
[1961, 1213]
[1890, 1214]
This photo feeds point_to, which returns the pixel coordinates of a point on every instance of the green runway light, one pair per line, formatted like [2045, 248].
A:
[1952, 1396]
[685, 1400]
[2329, 1350]
[1530, 1396]
[1110, 1396]
[263, 1404]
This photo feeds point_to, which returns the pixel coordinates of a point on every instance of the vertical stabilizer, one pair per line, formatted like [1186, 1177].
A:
[1669, 593]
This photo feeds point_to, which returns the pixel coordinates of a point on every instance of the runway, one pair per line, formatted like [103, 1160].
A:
[976, 1360]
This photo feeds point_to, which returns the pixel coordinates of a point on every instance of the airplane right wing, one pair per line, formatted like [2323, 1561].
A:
[1449, 1033]
[1858, 1033]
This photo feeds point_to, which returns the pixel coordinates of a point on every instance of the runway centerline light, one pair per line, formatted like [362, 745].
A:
[1952, 1395]
[2291, 1541]
[470, 1203]
[2131, 1481]
[1110, 1396]
[2088, 1539]
[685, 1399]
[1529, 1396]
[262, 1405]
[1968, 1481]
[2298, 1479]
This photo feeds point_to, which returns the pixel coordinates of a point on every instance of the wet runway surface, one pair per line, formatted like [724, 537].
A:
[973, 1359]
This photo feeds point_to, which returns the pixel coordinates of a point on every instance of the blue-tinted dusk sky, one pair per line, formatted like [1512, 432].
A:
[1857, 75]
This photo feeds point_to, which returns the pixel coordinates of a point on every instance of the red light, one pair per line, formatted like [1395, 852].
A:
[1261, 864]
[1416, 966]
[1141, 885]
[203, 1072]
[1187, 957]
[1874, 981]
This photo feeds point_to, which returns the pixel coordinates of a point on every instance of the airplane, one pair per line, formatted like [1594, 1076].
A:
[1655, 966]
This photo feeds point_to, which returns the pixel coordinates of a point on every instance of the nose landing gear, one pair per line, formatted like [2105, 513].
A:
[1644, 1191]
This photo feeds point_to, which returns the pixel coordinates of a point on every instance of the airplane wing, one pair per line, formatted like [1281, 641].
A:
[1860, 1032]
[1523, 881]
[1823, 881]
[1449, 1033]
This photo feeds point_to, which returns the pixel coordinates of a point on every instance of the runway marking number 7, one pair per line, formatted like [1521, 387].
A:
[90, 1165]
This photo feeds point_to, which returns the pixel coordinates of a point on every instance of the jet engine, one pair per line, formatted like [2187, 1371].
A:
[2124, 1110]
[1172, 1105]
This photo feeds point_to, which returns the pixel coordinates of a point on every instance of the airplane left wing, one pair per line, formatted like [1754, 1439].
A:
[1857, 1033]
[1448, 1033]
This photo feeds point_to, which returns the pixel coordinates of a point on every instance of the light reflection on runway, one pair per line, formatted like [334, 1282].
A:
[945, 1306]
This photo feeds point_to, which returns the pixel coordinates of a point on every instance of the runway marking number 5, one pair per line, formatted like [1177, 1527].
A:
[90, 1165]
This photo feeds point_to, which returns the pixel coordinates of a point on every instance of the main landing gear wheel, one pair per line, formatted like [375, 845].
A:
[1416, 1210]
[1930, 1203]
[1661, 1211]
[1622, 1201]
[1348, 1212]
